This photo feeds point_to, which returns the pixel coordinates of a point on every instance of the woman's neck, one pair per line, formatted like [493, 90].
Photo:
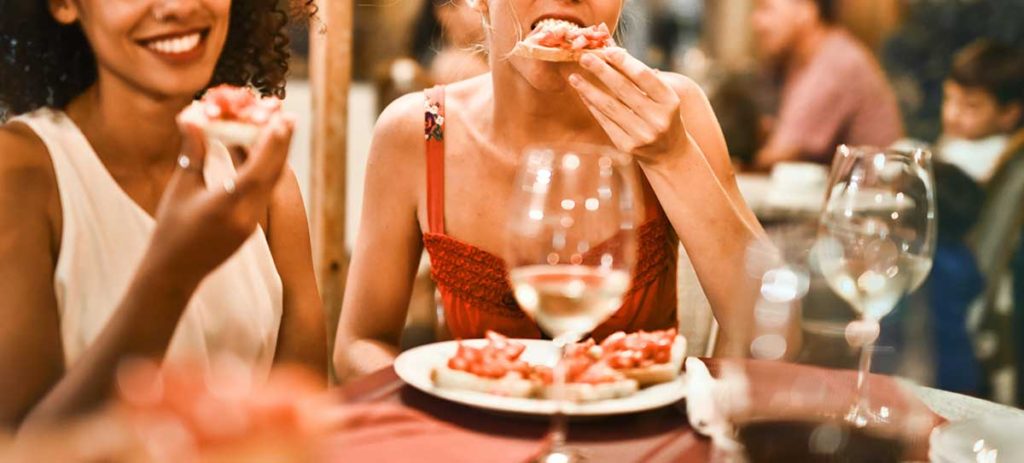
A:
[524, 114]
[127, 126]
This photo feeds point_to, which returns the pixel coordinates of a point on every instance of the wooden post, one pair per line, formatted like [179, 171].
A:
[330, 77]
[728, 32]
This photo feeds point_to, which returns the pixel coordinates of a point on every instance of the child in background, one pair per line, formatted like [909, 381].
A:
[982, 118]
[982, 108]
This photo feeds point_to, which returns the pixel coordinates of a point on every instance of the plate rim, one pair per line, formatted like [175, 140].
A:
[504, 406]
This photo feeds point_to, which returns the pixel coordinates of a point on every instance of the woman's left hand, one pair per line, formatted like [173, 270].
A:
[636, 108]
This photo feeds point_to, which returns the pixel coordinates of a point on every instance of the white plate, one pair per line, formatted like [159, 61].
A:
[414, 367]
[982, 440]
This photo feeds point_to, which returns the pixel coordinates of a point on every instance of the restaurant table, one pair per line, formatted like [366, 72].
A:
[658, 435]
[772, 209]
[664, 434]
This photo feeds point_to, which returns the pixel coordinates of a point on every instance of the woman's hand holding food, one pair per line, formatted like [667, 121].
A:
[198, 225]
[638, 110]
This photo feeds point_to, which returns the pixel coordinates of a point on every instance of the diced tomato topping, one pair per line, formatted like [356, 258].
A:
[570, 38]
[640, 349]
[586, 362]
[227, 102]
[497, 358]
[458, 363]
[579, 42]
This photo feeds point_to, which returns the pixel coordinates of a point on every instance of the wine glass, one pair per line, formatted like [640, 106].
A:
[571, 249]
[876, 240]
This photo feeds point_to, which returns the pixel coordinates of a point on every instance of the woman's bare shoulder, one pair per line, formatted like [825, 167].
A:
[28, 185]
[465, 95]
[684, 86]
[24, 160]
[401, 126]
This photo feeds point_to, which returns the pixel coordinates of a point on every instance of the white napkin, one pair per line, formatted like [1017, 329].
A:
[710, 402]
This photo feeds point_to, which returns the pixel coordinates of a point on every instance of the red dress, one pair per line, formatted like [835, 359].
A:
[473, 283]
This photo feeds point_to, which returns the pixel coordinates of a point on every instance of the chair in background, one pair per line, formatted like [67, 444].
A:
[696, 321]
[995, 240]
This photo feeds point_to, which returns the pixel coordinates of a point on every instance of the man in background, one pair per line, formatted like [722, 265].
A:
[832, 89]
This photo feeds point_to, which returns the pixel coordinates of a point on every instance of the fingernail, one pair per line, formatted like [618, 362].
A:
[587, 59]
[574, 79]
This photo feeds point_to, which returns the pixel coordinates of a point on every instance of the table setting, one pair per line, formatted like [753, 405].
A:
[876, 210]
[627, 397]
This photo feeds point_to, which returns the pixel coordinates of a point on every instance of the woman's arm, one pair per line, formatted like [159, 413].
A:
[665, 121]
[197, 229]
[31, 358]
[303, 336]
[389, 244]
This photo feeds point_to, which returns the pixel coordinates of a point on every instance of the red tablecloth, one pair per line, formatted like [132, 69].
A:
[438, 430]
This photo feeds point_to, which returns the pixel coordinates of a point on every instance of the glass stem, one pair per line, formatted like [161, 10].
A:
[860, 410]
[557, 432]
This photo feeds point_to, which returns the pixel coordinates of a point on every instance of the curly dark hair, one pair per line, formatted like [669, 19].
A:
[45, 63]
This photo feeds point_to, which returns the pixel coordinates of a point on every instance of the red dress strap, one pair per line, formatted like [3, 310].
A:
[433, 127]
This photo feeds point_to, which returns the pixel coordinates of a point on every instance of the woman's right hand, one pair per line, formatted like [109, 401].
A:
[198, 225]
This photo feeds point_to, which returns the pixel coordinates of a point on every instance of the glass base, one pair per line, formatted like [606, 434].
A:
[560, 454]
[861, 416]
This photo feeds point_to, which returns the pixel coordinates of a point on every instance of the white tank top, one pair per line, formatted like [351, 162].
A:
[236, 310]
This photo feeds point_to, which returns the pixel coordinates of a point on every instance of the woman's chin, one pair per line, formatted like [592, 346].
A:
[547, 77]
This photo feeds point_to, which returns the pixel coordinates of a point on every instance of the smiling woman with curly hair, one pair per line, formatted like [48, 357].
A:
[124, 231]
[46, 63]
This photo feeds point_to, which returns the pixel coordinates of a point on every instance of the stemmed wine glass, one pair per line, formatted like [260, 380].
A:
[876, 239]
[571, 249]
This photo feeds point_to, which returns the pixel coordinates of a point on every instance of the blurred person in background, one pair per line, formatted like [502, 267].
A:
[736, 103]
[983, 100]
[918, 54]
[446, 46]
[832, 89]
[664, 28]
[983, 109]
[448, 41]
[982, 119]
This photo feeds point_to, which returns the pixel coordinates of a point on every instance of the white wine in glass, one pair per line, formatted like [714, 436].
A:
[569, 299]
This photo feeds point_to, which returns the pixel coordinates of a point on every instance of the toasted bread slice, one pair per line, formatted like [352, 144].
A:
[587, 392]
[660, 372]
[510, 385]
[537, 52]
[233, 133]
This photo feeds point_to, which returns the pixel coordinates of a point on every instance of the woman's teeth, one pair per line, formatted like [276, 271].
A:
[552, 22]
[175, 45]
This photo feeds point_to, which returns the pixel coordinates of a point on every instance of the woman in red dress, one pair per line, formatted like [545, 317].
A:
[442, 167]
